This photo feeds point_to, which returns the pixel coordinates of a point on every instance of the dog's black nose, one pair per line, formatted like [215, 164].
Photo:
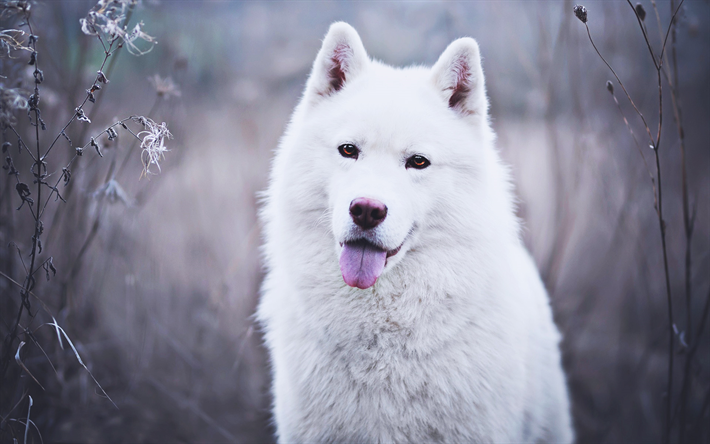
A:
[367, 213]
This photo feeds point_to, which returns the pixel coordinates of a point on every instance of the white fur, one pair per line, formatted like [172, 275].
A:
[455, 342]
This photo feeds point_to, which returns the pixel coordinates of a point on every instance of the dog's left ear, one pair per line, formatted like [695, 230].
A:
[459, 77]
[341, 58]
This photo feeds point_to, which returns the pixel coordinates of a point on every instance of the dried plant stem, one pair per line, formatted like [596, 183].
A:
[22, 143]
[54, 189]
[620, 83]
[694, 344]
[688, 219]
[638, 147]
[108, 72]
[71, 161]
[136, 140]
[662, 225]
[27, 424]
[658, 191]
[658, 64]
[107, 24]
[57, 217]
[111, 174]
[29, 279]
[107, 54]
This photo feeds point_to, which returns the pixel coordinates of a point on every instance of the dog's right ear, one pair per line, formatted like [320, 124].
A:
[341, 58]
[459, 77]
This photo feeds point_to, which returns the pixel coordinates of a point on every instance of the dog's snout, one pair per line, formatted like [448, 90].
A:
[367, 213]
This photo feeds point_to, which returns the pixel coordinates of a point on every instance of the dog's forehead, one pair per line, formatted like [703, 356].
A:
[399, 105]
[406, 92]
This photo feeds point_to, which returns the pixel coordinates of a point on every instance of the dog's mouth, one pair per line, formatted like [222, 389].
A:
[362, 262]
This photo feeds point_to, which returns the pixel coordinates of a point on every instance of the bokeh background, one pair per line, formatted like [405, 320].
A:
[157, 288]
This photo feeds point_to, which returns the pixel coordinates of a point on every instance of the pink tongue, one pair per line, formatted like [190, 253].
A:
[361, 264]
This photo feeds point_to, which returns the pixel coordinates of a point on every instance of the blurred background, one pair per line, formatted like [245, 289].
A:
[157, 278]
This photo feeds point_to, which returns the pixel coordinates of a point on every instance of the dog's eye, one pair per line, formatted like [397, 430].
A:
[418, 162]
[348, 150]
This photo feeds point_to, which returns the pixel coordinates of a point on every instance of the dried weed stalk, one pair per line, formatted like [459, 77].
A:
[108, 23]
[688, 340]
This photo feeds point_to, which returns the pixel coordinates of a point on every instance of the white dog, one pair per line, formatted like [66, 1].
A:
[400, 304]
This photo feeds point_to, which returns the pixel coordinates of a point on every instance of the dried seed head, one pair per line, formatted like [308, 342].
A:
[581, 13]
[39, 76]
[24, 191]
[640, 11]
[33, 101]
[87, 26]
[610, 86]
[10, 167]
[81, 116]
[66, 176]
[152, 142]
[101, 77]
[96, 146]
[108, 17]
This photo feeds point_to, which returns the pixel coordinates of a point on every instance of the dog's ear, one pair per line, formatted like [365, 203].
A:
[341, 58]
[459, 77]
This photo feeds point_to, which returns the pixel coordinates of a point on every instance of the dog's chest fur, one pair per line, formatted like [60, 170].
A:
[403, 367]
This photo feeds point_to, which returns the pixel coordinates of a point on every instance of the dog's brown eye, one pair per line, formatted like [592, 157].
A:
[418, 162]
[348, 150]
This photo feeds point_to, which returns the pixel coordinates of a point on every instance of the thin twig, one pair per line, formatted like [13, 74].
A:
[81, 362]
[27, 426]
[687, 225]
[645, 35]
[138, 139]
[81, 107]
[620, 82]
[5, 418]
[109, 71]
[655, 145]
[638, 147]
[54, 190]
[22, 143]
[681, 408]
[662, 226]
[661, 223]
[105, 131]
[670, 25]
[29, 280]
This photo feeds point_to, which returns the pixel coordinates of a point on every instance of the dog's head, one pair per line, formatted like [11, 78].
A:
[389, 147]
